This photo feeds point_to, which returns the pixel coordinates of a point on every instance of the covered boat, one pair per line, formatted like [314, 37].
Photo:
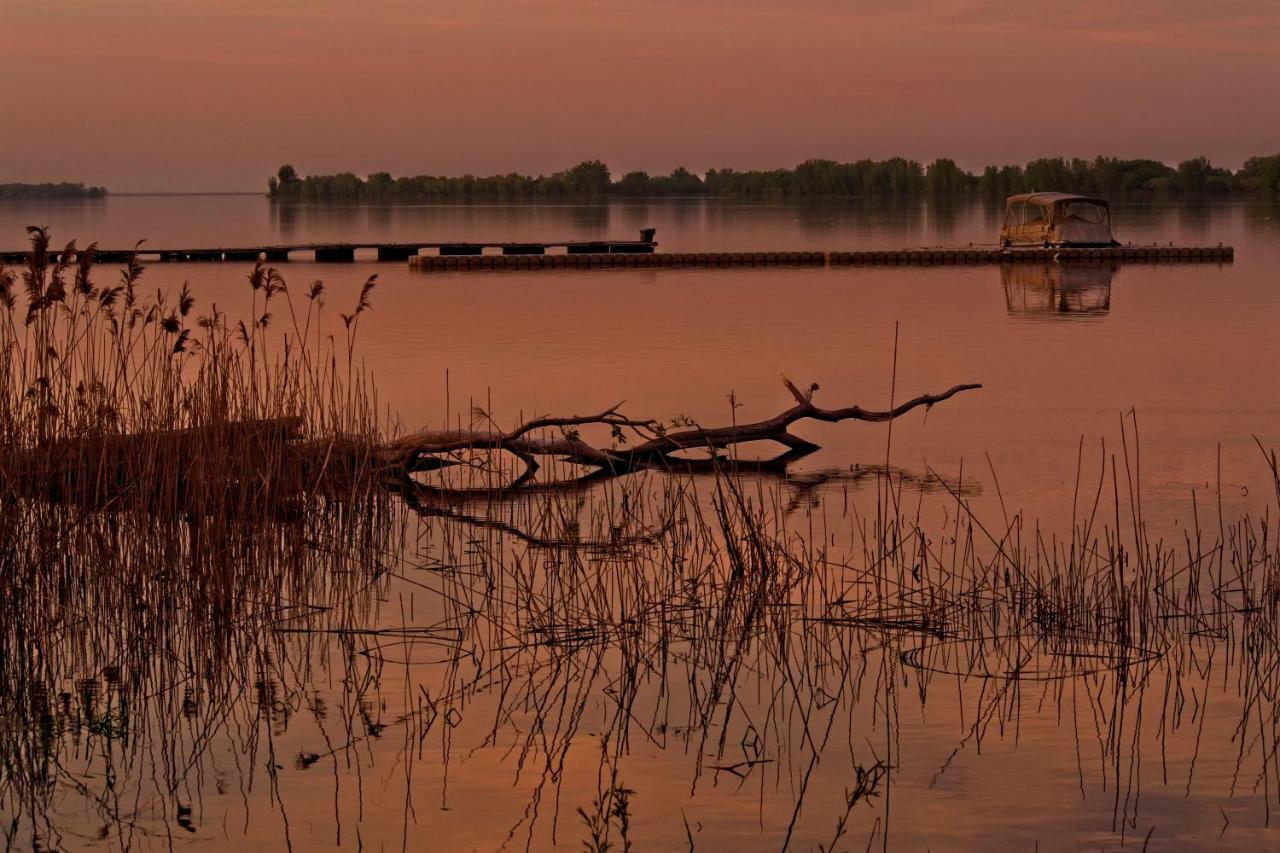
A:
[1056, 219]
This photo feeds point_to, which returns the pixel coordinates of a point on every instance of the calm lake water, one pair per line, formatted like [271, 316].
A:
[372, 727]
[1182, 346]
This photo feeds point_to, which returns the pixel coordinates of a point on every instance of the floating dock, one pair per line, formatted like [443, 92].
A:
[903, 257]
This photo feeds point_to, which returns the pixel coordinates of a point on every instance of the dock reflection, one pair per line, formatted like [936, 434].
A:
[1058, 292]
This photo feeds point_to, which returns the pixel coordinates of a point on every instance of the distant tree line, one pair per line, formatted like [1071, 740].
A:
[62, 190]
[813, 178]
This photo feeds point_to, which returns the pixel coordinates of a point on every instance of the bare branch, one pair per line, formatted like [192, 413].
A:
[408, 451]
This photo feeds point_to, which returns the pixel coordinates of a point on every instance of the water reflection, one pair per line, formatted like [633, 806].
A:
[696, 224]
[304, 221]
[368, 675]
[707, 224]
[1058, 291]
[1262, 215]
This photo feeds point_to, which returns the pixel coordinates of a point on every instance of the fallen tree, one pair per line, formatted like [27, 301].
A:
[657, 445]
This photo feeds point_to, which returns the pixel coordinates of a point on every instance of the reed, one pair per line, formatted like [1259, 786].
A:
[158, 517]
[108, 393]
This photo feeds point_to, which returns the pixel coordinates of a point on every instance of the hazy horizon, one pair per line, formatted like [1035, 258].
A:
[183, 96]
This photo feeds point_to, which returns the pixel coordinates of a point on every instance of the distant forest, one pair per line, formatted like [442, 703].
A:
[811, 179]
[62, 190]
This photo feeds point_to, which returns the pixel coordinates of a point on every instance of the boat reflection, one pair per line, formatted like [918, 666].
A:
[1057, 291]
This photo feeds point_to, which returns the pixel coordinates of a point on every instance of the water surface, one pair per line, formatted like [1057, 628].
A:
[399, 702]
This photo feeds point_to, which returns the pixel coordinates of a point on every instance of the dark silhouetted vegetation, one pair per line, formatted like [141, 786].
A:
[811, 179]
[1260, 174]
[586, 180]
[62, 190]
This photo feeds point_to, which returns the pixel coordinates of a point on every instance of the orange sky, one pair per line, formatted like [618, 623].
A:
[181, 95]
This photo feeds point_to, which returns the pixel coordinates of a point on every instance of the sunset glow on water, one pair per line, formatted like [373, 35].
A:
[334, 550]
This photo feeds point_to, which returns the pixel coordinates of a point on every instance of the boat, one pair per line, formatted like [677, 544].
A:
[1056, 220]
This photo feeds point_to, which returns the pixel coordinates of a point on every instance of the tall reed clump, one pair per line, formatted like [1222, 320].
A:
[152, 450]
[174, 486]
[108, 394]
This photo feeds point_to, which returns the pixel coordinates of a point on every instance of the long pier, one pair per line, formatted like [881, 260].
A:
[381, 251]
[903, 257]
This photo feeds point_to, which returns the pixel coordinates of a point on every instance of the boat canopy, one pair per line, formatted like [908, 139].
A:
[1049, 199]
[1056, 219]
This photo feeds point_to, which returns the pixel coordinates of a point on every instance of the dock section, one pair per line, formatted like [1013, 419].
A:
[325, 253]
[903, 257]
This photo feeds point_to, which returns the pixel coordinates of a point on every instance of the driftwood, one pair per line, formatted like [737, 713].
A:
[209, 467]
[657, 447]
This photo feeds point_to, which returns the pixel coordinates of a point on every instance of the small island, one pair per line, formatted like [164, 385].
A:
[65, 189]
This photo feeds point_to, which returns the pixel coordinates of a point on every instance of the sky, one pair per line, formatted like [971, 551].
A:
[179, 95]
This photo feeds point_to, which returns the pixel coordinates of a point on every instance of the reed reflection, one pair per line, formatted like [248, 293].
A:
[454, 647]
[1058, 291]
